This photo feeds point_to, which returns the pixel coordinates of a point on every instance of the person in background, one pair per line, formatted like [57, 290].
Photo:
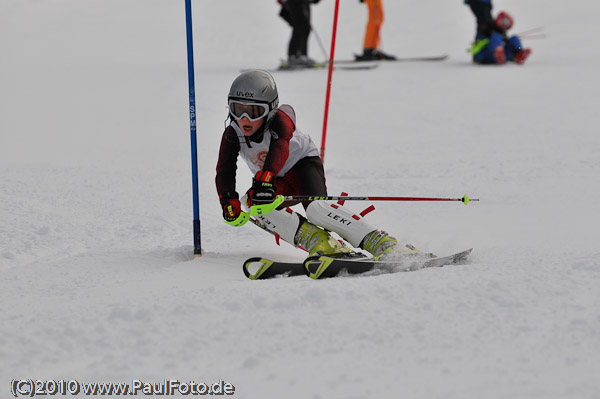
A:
[297, 14]
[372, 40]
[492, 43]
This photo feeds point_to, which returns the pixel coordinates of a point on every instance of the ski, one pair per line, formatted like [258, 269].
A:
[266, 269]
[347, 64]
[440, 57]
[357, 65]
[318, 267]
[261, 268]
[354, 66]
[284, 66]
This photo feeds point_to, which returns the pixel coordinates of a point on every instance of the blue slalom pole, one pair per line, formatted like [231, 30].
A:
[192, 85]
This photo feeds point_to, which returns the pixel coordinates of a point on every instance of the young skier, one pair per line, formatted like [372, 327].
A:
[492, 44]
[285, 161]
[297, 14]
[371, 43]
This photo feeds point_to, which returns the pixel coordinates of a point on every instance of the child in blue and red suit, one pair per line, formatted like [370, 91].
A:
[492, 44]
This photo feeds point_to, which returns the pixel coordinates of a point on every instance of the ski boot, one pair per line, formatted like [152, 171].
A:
[370, 54]
[500, 55]
[384, 247]
[299, 62]
[378, 243]
[522, 55]
[384, 56]
[319, 242]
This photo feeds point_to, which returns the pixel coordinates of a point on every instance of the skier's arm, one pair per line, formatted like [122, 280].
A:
[262, 189]
[279, 150]
[227, 165]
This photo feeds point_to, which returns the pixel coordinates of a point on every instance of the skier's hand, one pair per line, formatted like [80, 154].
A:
[262, 190]
[231, 209]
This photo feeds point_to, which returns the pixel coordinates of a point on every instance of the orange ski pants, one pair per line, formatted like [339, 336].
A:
[374, 23]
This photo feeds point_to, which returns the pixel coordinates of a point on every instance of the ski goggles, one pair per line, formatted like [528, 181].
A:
[252, 111]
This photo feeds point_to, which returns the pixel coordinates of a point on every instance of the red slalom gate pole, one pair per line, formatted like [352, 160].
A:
[329, 77]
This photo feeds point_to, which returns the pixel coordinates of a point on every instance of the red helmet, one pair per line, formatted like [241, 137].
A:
[504, 20]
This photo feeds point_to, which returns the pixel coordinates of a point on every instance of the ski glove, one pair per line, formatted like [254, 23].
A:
[231, 209]
[262, 190]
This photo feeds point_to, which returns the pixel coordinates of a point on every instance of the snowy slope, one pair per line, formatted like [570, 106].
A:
[98, 278]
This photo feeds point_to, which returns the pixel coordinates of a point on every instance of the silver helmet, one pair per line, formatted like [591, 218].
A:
[255, 86]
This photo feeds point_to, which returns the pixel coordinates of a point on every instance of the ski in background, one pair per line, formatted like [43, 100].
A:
[320, 65]
[440, 57]
[347, 66]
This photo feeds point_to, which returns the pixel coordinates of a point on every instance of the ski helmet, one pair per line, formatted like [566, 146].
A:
[255, 86]
[504, 20]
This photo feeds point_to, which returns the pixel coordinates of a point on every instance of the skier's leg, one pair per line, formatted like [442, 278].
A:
[296, 230]
[295, 14]
[318, 241]
[308, 178]
[300, 21]
[515, 51]
[305, 29]
[371, 40]
[305, 178]
[352, 228]
[513, 45]
[282, 222]
[483, 13]
[493, 52]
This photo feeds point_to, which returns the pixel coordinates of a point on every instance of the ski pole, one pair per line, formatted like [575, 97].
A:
[529, 31]
[533, 36]
[319, 42]
[263, 209]
[465, 199]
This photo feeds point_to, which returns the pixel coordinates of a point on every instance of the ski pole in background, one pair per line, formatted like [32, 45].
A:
[530, 31]
[329, 76]
[192, 95]
[533, 36]
[535, 33]
[465, 199]
[319, 42]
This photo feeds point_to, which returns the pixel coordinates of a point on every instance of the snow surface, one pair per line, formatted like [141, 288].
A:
[98, 278]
